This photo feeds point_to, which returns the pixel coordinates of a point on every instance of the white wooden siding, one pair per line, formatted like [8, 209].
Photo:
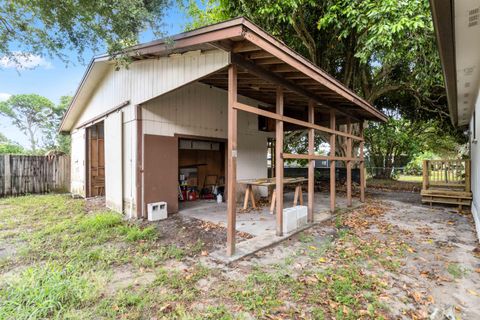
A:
[114, 161]
[142, 81]
[475, 161]
[199, 110]
[146, 79]
[129, 166]
[78, 163]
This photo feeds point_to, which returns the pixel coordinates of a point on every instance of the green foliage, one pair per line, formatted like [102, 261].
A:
[45, 292]
[385, 50]
[29, 113]
[182, 283]
[79, 265]
[100, 221]
[401, 138]
[456, 270]
[134, 233]
[39, 119]
[9, 147]
[305, 237]
[260, 293]
[415, 166]
[53, 27]
[52, 139]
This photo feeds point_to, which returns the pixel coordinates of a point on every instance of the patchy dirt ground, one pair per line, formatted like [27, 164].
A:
[184, 231]
[409, 197]
[391, 259]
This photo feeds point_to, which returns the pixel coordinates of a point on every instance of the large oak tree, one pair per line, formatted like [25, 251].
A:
[44, 27]
[384, 50]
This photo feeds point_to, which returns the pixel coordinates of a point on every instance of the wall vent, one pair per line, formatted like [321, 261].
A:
[468, 71]
[473, 17]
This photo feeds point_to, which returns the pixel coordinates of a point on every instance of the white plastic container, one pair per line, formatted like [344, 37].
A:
[157, 211]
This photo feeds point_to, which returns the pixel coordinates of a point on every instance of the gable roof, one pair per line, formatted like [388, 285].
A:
[255, 48]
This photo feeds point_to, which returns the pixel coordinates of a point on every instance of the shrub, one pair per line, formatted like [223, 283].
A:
[415, 166]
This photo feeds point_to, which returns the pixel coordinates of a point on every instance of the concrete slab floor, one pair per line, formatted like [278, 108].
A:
[258, 223]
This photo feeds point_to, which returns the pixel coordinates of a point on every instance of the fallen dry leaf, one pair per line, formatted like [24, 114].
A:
[410, 249]
[166, 308]
[473, 292]
[417, 296]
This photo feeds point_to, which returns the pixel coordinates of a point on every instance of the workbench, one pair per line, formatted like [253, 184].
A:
[270, 182]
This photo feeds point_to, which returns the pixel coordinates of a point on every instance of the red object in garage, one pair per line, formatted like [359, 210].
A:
[192, 196]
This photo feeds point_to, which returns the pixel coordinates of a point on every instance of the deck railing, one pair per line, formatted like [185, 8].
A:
[446, 174]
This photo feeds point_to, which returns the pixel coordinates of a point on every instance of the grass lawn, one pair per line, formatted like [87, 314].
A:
[410, 178]
[59, 259]
[403, 183]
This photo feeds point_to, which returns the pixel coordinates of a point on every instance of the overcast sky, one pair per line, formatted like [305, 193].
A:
[51, 78]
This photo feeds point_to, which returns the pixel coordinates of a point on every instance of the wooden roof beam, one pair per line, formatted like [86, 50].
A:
[244, 46]
[272, 77]
[258, 55]
[268, 61]
[282, 68]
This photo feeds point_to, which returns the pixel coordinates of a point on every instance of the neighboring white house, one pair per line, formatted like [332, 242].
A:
[457, 25]
[136, 131]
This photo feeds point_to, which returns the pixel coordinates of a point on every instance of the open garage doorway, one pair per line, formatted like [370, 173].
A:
[201, 172]
[95, 160]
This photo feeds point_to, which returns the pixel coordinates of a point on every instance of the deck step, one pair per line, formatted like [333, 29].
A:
[464, 197]
[444, 201]
[460, 198]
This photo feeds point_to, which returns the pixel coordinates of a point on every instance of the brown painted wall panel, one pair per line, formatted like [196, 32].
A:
[160, 170]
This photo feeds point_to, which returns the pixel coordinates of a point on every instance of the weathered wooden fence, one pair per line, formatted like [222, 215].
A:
[33, 174]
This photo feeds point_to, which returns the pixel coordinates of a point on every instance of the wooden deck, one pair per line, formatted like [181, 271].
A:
[447, 182]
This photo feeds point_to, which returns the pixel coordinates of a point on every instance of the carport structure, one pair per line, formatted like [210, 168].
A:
[191, 87]
[297, 94]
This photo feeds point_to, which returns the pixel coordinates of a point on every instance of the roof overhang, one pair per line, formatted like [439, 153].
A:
[248, 43]
[457, 27]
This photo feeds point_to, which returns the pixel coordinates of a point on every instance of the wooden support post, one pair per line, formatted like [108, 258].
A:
[332, 162]
[468, 187]
[272, 203]
[139, 203]
[349, 164]
[7, 174]
[311, 163]
[252, 198]
[279, 162]
[296, 195]
[246, 198]
[362, 166]
[425, 175]
[232, 159]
